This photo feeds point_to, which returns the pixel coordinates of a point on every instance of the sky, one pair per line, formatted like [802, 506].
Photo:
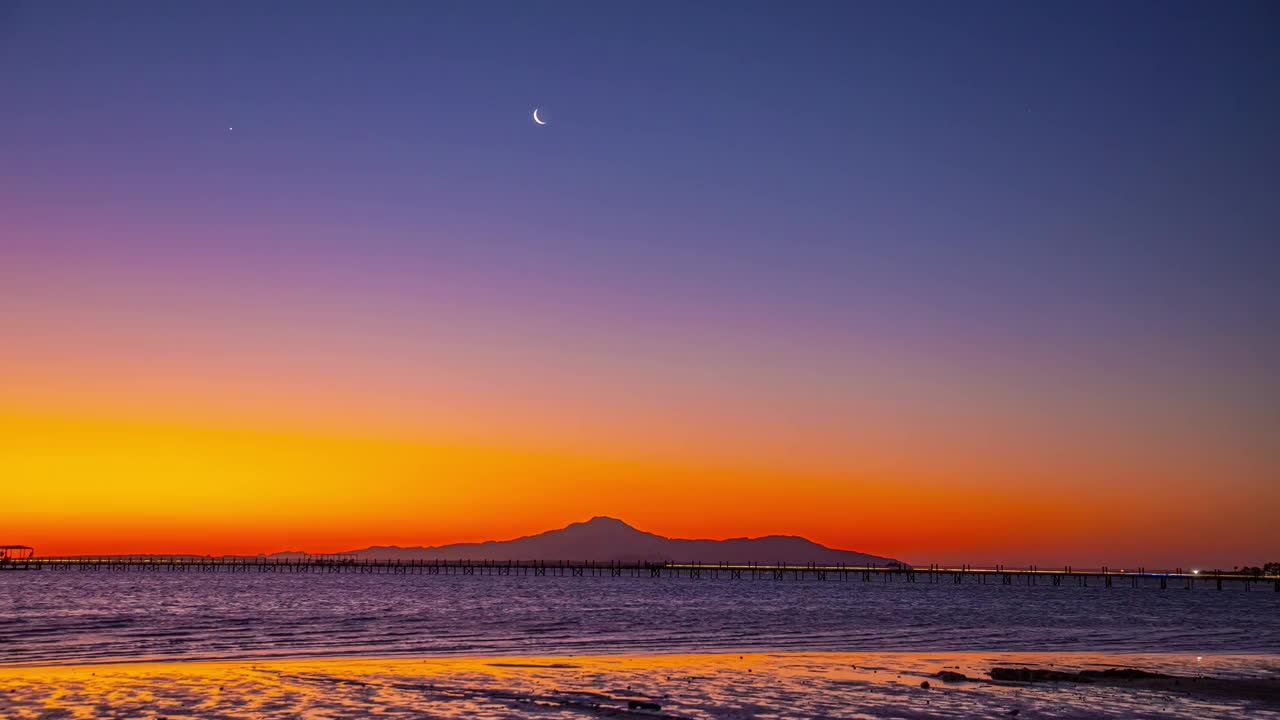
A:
[951, 282]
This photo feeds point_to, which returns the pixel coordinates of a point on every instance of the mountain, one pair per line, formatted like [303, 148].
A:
[605, 539]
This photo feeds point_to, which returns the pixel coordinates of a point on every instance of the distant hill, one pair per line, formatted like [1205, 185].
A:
[605, 539]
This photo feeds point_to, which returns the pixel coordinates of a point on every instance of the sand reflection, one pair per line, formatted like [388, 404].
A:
[819, 685]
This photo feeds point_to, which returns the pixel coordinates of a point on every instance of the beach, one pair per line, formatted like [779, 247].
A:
[722, 685]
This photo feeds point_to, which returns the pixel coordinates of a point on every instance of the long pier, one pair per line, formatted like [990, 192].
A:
[933, 574]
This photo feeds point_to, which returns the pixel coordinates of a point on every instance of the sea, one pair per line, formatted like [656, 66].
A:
[63, 618]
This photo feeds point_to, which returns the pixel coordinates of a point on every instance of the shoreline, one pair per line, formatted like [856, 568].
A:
[341, 656]
[1068, 658]
[715, 685]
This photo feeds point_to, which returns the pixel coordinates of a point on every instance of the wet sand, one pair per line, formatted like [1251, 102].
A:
[777, 685]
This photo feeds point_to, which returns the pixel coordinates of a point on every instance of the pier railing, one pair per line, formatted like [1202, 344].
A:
[936, 574]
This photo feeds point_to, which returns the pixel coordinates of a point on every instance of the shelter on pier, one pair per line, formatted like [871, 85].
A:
[9, 553]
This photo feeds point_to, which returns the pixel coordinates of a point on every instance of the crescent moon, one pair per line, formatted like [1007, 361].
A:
[535, 117]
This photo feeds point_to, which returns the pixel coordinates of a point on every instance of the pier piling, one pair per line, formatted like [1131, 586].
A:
[934, 573]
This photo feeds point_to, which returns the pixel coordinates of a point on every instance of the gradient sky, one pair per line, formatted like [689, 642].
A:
[958, 282]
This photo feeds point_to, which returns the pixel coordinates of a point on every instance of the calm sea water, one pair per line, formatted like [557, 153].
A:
[63, 617]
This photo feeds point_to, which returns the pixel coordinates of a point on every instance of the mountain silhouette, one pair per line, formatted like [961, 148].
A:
[606, 539]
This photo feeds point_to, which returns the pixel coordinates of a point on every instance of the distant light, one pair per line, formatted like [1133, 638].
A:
[1195, 572]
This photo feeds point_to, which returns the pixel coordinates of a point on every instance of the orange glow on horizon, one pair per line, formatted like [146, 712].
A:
[248, 422]
[80, 485]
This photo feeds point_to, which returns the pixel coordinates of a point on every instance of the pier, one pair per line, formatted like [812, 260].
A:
[16, 557]
[932, 574]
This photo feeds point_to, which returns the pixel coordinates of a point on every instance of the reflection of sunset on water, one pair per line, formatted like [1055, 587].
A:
[848, 685]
